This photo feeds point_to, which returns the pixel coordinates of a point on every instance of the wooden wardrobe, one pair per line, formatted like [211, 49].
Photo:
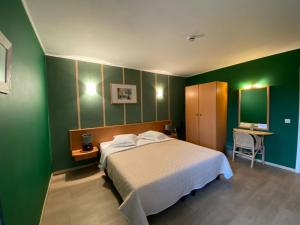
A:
[206, 114]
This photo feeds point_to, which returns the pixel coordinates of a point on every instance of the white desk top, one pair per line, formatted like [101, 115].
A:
[253, 132]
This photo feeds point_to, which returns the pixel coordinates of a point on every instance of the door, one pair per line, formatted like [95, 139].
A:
[207, 115]
[191, 114]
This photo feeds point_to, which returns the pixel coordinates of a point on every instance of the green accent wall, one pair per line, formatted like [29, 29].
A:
[177, 104]
[149, 96]
[281, 72]
[63, 102]
[115, 112]
[25, 162]
[162, 104]
[90, 104]
[133, 111]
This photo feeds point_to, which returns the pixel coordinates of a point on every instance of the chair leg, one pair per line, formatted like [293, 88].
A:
[233, 153]
[253, 156]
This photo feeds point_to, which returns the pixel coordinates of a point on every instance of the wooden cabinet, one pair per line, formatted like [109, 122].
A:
[206, 114]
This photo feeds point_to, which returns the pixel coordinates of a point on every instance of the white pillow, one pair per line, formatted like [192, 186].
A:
[153, 135]
[124, 140]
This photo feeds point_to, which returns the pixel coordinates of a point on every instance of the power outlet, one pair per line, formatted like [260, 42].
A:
[287, 121]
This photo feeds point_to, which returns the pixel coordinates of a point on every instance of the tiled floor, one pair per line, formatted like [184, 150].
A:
[261, 196]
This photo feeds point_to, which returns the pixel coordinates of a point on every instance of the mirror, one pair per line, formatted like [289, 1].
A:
[5, 63]
[254, 108]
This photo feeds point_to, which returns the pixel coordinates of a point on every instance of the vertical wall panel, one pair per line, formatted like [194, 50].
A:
[162, 104]
[62, 109]
[90, 104]
[63, 106]
[114, 112]
[133, 111]
[177, 105]
[149, 96]
[141, 96]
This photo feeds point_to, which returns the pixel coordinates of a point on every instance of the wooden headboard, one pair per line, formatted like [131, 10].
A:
[101, 134]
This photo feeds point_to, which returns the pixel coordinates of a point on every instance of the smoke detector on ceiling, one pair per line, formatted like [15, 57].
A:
[193, 37]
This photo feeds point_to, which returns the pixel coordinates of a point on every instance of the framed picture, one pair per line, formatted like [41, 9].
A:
[123, 93]
[5, 63]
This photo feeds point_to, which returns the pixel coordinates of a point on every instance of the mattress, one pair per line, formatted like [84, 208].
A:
[153, 176]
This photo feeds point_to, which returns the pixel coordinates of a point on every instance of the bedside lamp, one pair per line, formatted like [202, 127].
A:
[168, 129]
[87, 140]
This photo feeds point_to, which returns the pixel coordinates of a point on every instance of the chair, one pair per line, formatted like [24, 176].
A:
[248, 146]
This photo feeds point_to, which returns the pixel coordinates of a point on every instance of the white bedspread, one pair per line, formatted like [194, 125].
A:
[107, 149]
[152, 177]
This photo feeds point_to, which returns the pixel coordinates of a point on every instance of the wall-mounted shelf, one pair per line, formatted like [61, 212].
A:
[79, 154]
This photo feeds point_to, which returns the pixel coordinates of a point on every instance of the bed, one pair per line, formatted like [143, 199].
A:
[154, 175]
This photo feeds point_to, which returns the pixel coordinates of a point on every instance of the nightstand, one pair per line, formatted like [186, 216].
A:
[79, 154]
[173, 135]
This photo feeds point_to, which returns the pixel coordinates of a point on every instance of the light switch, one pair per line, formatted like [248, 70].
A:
[287, 120]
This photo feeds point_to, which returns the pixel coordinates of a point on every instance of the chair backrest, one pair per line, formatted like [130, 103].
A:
[243, 140]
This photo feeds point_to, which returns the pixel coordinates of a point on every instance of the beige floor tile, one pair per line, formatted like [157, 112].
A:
[259, 196]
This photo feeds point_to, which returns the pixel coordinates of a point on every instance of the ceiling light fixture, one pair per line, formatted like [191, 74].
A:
[193, 37]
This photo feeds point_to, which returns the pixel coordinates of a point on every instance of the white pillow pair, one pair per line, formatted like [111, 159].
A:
[126, 140]
[153, 135]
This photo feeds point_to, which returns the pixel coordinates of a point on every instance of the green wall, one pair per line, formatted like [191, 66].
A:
[25, 163]
[114, 112]
[133, 111]
[281, 72]
[63, 102]
[148, 96]
[90, 105]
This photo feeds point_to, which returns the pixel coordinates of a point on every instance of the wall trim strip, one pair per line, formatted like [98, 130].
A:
[77, 95]
[169, 111]
[103, 95]
[141, 83]
[155, 97]
[124, 105]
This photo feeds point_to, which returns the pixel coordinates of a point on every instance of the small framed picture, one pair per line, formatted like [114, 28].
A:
[123, 93]
[5, 64]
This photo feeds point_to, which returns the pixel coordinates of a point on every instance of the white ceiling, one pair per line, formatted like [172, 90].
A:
[150, 34]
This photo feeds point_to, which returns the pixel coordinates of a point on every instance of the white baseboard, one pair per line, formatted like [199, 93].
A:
[270, 164]
[278, 166]
[267, 163]
[74, 168]
[45, 200]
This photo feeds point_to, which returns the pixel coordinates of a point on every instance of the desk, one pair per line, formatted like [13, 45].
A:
[259, 138]
[253, 132]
